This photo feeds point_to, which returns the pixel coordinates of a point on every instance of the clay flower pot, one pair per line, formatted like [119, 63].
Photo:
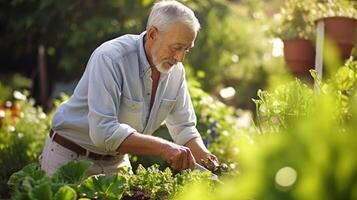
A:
[342, 31]
[299, 55]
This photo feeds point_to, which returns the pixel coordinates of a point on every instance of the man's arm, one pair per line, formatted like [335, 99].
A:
[181, 123]
[179, 157]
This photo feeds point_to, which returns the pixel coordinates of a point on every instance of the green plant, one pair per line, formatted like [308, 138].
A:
[313, 156]
[334, 8]
[32, 183]
[217, 124]
[233, 49]
[23, 128]
[69, 182]
[159, 184]
[277, 108]
[295, 20]
[5, 93]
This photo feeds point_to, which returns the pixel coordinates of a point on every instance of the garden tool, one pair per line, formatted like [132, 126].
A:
[203, 169]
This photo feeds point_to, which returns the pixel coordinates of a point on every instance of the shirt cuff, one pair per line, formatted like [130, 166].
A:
[186, 135]
[113, 142]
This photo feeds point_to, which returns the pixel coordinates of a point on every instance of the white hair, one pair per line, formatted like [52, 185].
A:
[165, 13]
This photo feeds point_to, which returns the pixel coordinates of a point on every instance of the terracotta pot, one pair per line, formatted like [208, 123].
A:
[299, 55]
[342, 31]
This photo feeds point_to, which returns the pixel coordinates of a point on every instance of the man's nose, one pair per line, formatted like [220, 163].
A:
[179, 55]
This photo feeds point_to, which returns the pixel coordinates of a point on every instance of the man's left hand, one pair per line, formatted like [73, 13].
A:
[200, 152]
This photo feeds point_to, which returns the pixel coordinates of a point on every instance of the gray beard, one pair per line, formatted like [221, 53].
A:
[160, 67]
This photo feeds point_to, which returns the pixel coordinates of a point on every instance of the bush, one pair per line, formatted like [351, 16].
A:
[308, 154]
[23, 128]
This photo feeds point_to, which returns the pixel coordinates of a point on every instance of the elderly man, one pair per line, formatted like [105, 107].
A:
[130, 86]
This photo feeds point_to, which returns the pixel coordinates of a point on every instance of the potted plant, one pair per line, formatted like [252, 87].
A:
[340, 20]
[296, 30]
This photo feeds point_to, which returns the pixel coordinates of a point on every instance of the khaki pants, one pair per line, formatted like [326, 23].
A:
[55, 155]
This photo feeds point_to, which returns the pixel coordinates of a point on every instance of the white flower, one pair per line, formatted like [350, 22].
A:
[8, 104]
[2, 113]
[235, 58]
[42, 115]
[227, 93]
[18, 95]
[11, 128]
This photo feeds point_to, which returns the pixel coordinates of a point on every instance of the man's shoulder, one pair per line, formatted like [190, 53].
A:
[119, 47]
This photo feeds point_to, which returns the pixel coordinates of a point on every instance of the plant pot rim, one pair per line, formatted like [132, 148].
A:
[334, 17]
[296, 39]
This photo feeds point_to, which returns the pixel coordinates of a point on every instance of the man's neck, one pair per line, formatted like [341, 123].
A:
[155, 76]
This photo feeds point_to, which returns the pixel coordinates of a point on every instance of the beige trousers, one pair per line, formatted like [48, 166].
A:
[55, 155]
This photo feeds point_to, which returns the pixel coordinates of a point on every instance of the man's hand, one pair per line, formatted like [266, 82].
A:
[179, 157]
[200, 152]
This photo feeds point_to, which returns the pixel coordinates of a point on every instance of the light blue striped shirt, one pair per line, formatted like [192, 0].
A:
[112, 99]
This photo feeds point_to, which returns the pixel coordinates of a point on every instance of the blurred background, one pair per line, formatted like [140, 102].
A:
[285, 131]
[45, 44]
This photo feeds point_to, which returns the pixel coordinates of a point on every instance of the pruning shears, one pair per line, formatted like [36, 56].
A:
[203, 169]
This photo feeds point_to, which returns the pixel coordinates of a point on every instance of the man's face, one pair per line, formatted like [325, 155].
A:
[171, 46]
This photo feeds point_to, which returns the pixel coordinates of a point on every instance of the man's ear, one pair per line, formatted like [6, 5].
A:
[152, 33]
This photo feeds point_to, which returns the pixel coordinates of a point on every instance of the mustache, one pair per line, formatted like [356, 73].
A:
[169, 61]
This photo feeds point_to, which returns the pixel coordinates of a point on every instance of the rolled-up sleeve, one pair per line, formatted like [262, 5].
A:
[181, 121]
[104, 94]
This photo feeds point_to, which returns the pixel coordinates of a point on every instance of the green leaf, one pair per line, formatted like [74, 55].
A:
[65, 193]
[41, 191]
[103, 187]
[73, 172]
[32, 170]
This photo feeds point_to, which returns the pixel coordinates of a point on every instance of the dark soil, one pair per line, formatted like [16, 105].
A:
[137, 194]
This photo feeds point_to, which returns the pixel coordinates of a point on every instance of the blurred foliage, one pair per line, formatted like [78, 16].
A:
[232, 48]
[23, 129]
[70, 30]
[334, 8]
[302, 148]
[297, 18]
[5, 92]
[217, 124]
[307, 153]
[294, 20]
[286, 103]
[14, 82]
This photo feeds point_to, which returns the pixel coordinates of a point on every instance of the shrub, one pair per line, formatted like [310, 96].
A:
[23, 128]
[309, 154]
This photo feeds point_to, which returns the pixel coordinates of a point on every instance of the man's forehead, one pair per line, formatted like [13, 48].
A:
[190, 45]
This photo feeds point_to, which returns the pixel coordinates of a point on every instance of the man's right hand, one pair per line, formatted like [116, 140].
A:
[179, 157]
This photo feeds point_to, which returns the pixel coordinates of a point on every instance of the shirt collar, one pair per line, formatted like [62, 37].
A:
[144, 63]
